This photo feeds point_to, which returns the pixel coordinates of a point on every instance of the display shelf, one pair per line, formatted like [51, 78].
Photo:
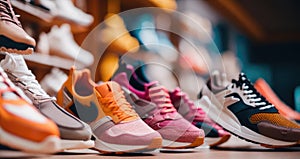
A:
[30, 13]
[53, 61]
[42, 64]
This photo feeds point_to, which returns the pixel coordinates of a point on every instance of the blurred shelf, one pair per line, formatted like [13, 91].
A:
[34, 14]
[51, 61]
[41, 64]
[168, 5]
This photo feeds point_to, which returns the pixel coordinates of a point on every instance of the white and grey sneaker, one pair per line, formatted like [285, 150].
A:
[74, 133]
[239, 108]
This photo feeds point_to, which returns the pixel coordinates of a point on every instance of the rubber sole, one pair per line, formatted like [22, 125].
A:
[183, 145]
[76, 144]
[213, 142]
[28, 51]
[107, 148]
[11, 46]
[227, 120]
[51, 144]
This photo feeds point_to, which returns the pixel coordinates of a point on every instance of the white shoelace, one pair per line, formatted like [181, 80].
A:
[251, 96]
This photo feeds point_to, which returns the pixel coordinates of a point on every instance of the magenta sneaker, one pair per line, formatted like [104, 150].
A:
[175, 130]
[214, 134]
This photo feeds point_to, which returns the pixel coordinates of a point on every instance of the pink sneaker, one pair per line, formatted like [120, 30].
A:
[175, 130]
[214, 134]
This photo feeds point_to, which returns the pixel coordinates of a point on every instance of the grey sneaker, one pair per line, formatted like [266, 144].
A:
[74, 133]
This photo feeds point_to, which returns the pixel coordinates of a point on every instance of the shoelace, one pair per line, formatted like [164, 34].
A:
[251, 93]
[200, 113]
[7, 13]
[30, 83]
[160, 96]
[117, 104]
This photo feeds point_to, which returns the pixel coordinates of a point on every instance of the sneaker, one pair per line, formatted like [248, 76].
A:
[62, 44]
[13, 39]
[214, 134]
[176, 131]
[116, 126]
[264, 89]
[67, 11]
[53, 81]
[241, 110]
[74, 133]
[21, 125]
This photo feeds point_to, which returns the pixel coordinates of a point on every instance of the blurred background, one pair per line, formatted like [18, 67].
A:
[260, 38]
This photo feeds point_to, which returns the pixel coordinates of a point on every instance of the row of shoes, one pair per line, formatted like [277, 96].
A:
[30, 119]
[119, 120]
[237, 106]
[132, 114]
[58, 42]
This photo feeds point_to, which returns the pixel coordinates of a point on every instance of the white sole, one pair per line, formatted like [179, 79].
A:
[51, 144]
[168, 144]
[222, 116]
[76, 144]
[105, 147]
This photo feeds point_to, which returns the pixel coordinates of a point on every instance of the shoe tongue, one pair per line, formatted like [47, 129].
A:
[108, 87]
[20, 63]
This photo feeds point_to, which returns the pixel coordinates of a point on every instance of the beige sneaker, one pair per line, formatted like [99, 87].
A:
[13, 39]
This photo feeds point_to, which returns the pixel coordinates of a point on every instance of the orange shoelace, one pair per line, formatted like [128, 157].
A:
[118, 105]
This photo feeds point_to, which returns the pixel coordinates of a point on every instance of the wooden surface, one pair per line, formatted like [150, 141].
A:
[233, 149]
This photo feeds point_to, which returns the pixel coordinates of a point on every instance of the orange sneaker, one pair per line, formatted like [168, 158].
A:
[264, 89]
[21, 125]
[115, 125]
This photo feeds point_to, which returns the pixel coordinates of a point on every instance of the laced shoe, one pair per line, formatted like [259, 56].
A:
[116, 126]
[214, 134]
[175, 130]
[74, 133]
[21, 125]
[241, 110]
[13, 39]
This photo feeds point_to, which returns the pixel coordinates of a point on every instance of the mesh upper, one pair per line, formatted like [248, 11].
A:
[273, 118]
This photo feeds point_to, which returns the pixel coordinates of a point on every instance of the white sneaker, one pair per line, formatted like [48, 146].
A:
[74, 133]
[43, 44]
[66, 10]
[53, 81]
[62, 44]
